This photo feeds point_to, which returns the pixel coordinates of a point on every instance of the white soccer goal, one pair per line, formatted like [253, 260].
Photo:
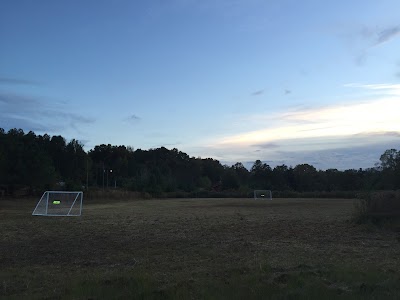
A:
[262, 194]
[57, 203]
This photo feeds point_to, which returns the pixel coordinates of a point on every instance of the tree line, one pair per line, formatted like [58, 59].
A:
[40, 162]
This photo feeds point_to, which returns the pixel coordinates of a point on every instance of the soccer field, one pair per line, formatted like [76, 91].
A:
[196, 248]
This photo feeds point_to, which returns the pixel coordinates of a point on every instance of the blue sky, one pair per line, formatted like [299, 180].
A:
[282, 81]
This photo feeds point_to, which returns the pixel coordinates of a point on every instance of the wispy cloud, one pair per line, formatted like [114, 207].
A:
[348, 153]
[8, 122]
[257, 93]
[133, 118]
[379, 134]
[342, 120]
[68, 116]
[371, 37]
[8, 80]
[373, 120]
[387, 89]
[387, 34]
[352, 157]
[375, 36]
[13, 101]
[31, 113]
[266, 145]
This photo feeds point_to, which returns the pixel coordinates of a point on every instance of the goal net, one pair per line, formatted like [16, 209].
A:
[262, 194]
[56, 203]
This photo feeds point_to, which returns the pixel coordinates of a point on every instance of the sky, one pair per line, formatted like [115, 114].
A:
[284, 81]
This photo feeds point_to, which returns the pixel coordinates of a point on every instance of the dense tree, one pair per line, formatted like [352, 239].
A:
[282, 178]
[242, 173]
[230, 179]
[56, 150]
[261, 175]
[212, 169]
[390, 159]
[40, 161]
[390, 165]
[306, 178]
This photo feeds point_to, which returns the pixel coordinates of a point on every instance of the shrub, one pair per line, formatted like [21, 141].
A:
[378, 207]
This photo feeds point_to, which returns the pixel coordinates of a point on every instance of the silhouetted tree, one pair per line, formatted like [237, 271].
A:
[38, 161]
[261, 175]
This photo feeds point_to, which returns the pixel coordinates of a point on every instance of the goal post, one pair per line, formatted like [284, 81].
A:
[262, 194]
[59, 203]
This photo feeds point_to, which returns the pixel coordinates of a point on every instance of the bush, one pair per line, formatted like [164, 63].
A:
[378, 207]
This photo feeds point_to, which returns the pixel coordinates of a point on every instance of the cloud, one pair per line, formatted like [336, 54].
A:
[361, 58]
[381, 133]
[266, 145]
[352, 157]
[16, 122]
[376, 36]
[8, 80]
[385, 89]
[373, 37]
[13, 101]
[68, 116]
[133, 118]
[257, 93]
[31, 113]
[364, 123]
[387, 34]
[331, 121]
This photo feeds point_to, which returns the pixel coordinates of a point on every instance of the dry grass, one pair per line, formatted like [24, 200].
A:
[195, 248]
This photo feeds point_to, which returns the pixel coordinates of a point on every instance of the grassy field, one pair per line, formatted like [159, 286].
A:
[197, 249]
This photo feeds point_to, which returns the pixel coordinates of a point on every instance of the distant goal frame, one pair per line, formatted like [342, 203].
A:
[72, 209]
[262, 195]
